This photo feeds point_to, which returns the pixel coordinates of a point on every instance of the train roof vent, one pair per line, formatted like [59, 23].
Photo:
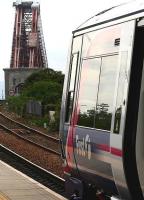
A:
[117, 42]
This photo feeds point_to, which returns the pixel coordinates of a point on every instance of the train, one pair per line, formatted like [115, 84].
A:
[102, 110]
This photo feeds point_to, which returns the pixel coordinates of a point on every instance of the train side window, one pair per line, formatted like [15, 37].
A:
[102, 41]
[71, 86]
[106, 92]
[88, 91]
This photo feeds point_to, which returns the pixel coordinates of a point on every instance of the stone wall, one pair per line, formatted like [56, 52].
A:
[15, 78]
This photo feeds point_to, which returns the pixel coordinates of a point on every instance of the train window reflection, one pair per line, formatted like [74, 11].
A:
[102, 41]
[123, 78]
[106, 92]
[88, 91]
[73, 71]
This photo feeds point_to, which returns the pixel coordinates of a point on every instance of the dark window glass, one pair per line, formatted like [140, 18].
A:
[88, 91]
[73, 71]
[71, 87]
[106, 92]
[69, 106]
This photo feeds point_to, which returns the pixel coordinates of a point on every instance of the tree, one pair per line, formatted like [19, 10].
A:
[45, 86]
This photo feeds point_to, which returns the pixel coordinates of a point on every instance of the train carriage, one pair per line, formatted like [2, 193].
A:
[102, 112]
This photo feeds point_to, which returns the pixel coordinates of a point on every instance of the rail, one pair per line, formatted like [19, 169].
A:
[30, 135]
[39, 174]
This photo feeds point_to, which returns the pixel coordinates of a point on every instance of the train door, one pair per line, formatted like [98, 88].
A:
[98, 75]
[70, 101]
[125, 149]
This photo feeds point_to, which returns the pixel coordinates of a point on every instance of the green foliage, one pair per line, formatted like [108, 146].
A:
[17, 104]
[44, 91]
[37, 120]
[45, 86]
[45, 75]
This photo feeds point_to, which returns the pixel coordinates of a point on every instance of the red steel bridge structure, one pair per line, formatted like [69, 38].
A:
[28, 47]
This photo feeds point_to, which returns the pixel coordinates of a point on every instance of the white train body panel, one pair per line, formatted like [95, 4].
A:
[102, 113]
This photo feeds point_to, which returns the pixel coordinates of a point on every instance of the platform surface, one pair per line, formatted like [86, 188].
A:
[14, 185]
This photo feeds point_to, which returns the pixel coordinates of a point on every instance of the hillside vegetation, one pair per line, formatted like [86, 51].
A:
[44, 87]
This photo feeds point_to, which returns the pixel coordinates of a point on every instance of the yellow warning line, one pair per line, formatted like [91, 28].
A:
[2, 197]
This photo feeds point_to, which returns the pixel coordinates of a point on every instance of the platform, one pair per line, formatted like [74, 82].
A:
[14, 185]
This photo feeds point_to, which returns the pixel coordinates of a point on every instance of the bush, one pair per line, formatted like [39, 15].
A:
[17, 104]
[45, 86]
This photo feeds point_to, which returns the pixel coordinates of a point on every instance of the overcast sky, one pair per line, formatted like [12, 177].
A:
[59, 19]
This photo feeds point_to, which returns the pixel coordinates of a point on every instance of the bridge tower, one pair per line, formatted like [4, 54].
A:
[28, 47]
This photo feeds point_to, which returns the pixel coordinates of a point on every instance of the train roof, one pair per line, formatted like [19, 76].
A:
[113, 13]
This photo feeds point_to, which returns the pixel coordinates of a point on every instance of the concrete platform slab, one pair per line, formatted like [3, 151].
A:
[14, 185]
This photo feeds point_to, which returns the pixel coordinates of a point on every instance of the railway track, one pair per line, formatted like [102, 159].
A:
[30, 135]
[37, 173]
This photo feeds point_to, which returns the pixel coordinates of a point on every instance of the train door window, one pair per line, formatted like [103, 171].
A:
[106, 92]
[123, 78]
[88, 91]
[71, 86]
